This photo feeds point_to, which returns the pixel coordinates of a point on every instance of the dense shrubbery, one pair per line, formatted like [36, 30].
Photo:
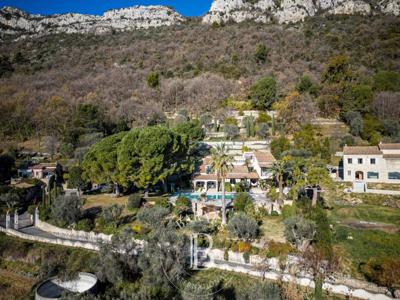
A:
[135, 201]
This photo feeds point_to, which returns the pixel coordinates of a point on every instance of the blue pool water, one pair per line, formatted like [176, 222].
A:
[196, 196]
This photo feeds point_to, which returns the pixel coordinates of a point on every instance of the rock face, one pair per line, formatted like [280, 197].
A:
[287, 11]
[15, 21]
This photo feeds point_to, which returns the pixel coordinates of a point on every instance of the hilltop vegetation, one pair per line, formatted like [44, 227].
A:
[131, 78]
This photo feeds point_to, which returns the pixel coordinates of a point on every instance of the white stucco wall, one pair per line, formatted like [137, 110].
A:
[382, 166]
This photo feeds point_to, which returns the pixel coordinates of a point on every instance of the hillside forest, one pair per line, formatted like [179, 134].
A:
[72, 90]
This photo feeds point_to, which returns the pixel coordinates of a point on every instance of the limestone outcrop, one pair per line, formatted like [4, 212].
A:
[291, 11]
[15, 21]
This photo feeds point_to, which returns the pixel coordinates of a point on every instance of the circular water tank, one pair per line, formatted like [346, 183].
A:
[54, 287]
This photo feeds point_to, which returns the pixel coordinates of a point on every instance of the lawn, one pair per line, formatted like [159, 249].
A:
[104, 200]
[355, 241]
[358, 245]
[272, 228]
[365, 212]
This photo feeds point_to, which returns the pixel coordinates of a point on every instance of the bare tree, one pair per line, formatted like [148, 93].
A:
[387, 105]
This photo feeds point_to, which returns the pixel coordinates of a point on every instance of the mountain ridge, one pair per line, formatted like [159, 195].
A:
[16, 21]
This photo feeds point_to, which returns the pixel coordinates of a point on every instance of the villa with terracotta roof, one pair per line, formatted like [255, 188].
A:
[258, 166]
[372, 163]
[42, 170]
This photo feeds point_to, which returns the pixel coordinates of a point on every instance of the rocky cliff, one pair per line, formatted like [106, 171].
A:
[15, 21]
[287, 11]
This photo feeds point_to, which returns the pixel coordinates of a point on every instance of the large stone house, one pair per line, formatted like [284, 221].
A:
[372, 163]
[252, 167]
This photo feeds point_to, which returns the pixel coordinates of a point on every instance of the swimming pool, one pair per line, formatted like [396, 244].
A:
[196, 196]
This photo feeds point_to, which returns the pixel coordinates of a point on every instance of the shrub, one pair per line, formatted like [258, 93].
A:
[263, 117]
[85, 225]
[242, 200]
[231, 131]
[134, 201]
[263, 93]
[226, 254]
[201, 226]
[162, 202]
[153, 80]
[246, 256]
[387, 81]
[182, 205]
[140, 229]
[288, 211]
[228, 187]
[243, 227]
[242, 186]
[305, 85]
[262, 130]
[244, 247]
[245, 148]
[66, 210]
[279, 145]
[277, 249]
[153, 216]
[384, 271]
[261, 53]
[261, 291]
[112, 213]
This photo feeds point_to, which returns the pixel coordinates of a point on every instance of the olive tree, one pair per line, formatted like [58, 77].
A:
[243, 227]
[260, 291]
[66, 209]
[231, 131]
[164, 258]
[153, 216]
[112, 213]
[299, 232]
[118, 260]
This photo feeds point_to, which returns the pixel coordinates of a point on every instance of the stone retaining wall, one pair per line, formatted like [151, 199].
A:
[235, 263]
[274, 268]
[56, 241]
[73, 234]
[303, 281]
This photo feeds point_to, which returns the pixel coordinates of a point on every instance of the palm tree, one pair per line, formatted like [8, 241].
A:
[221, 163]
[279, 169]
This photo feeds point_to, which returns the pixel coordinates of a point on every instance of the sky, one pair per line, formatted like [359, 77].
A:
[97, 7]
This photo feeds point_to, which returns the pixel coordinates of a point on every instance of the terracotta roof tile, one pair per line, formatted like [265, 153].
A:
[241, 172]
[361, 150]
[264, 158]
[44, 165]
[392, 146]
[205, 177]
